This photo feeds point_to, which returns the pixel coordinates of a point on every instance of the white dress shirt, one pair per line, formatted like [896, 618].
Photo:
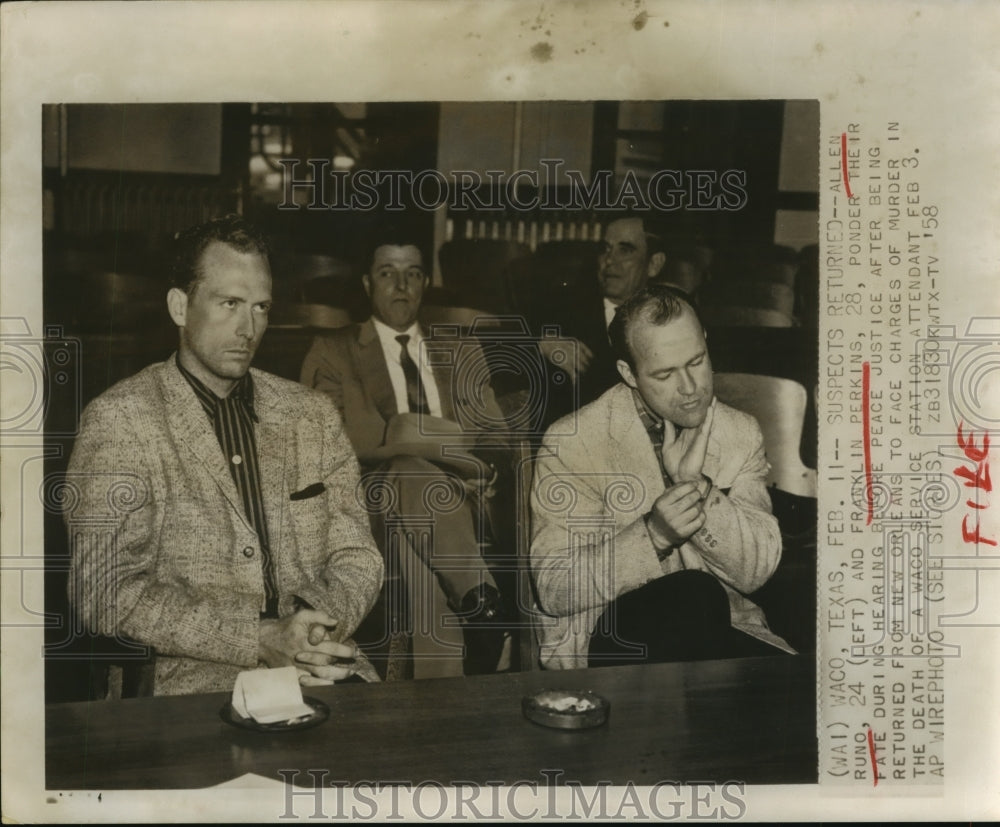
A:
[609, 312]
[393, 351]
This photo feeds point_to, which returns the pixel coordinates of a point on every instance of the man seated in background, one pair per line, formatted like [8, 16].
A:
[411, 413]
[226, 534]
[629, 256]
[670, 512]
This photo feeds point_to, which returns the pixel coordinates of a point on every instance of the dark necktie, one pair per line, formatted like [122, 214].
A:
[414, 387]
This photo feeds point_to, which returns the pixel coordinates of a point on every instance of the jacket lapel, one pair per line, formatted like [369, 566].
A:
[632, 452]
[272, 431]
[373, 372]
[190, 426]
[713, 456]
[444, 378]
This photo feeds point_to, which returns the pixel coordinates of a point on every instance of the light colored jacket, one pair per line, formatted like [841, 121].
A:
[162, 551]
[597, 477]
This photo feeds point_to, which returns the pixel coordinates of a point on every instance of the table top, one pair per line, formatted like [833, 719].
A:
[750, 720]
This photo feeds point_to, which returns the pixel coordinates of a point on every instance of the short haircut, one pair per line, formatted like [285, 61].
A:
[657, 304]
[232, 230]
[395, 235]
[650, 230]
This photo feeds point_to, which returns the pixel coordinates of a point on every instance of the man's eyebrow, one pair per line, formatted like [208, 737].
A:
[215, 294]
[235, 298]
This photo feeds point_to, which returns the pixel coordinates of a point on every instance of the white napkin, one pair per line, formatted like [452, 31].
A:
[269, 695]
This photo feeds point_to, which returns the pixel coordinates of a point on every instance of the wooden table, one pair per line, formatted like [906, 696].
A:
[750, 720]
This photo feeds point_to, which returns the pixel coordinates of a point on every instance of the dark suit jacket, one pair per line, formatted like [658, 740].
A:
[583, 319]
[349, 366]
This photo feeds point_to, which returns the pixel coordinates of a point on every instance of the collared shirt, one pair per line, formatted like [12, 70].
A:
[609, 312]
[233, 418]
[653, 423]
[392, 350]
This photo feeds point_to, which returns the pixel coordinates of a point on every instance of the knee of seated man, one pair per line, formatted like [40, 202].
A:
[423, 486]
[705, 595]
[690, 596]
[408, 465]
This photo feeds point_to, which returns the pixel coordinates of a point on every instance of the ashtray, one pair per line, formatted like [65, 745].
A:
[320, 712]
[566, 708]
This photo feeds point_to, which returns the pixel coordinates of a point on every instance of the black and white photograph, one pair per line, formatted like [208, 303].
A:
[528, 411]
[522, 438]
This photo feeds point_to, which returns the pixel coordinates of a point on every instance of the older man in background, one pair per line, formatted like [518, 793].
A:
[628, 258]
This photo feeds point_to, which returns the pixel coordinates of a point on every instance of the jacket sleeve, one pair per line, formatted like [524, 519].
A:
[328, 368]
[114, 510]
[740, 542]
[486, 406]
[578, 559]
[349, 568]
[322, 372]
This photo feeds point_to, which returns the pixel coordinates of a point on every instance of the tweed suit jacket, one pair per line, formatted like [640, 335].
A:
[349, 366]
[590, 544]
[162, 551]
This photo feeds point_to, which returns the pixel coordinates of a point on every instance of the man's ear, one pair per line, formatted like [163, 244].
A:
[177, 301]
[626, 373]
[656, 262]
[366, 282]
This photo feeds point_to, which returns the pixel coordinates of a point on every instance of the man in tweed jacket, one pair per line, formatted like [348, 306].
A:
[651, 523]
[215, 515]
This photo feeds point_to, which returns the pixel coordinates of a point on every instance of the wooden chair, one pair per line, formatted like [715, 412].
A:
[755, 261]
[320, 316]
[527, 600]
[767, 295]
[441, 314]
[779, 407]
[131, 679]
[789, 597]
[733, 316]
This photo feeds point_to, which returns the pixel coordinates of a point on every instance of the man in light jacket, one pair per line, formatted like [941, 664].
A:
[212, 507]
[651, 523]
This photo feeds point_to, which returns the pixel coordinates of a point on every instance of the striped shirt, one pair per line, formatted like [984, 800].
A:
[654, 427]
[233, 418]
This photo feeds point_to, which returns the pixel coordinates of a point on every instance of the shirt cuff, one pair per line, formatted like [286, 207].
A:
[662, 552]
[706, 483]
